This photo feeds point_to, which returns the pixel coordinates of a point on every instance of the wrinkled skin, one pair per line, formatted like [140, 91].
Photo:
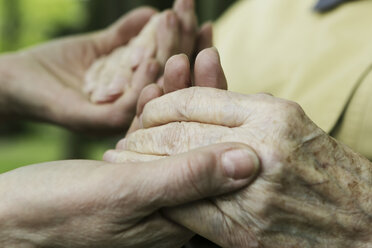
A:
[312, 191]
[178, 75]
[167, 33]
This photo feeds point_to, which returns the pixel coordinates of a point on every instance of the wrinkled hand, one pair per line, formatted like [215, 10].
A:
[312, 191]
[177, 75]
[96, 204]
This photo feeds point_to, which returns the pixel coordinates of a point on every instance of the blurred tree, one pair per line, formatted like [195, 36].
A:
[10, 24]
[211, 9]
[102, 13]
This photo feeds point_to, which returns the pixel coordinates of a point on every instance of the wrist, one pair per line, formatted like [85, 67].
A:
[349, 175]
[20, 97]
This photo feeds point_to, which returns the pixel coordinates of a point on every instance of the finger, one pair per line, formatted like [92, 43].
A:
[150, 92]
[100, 95]
[160, 82]
[120, 81]
[147, 94]
[134, 126]
[123, 30]
[106, 93]
[206, 219]
[121, 156]
[122, 111]
[92, 74]
[175, 138]
[146, 74]
[208, 71]
[199, 104]
[167, 37]
[177, 73]
[163, 233]
[143, 46]
[121, 144]
[197, 174]
[205, 37]
[188, 24]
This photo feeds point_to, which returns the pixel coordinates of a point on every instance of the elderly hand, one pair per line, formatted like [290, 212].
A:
[177, 75]
[96, 204]
[312, 191]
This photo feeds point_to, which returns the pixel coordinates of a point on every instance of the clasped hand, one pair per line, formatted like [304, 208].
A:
[312, 190]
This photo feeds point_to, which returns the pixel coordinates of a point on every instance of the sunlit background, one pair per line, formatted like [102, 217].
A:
[24, 23]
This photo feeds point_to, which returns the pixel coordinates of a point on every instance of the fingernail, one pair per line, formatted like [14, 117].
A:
[137, 56]
[101, 97]
[240, 163]
[116, 86]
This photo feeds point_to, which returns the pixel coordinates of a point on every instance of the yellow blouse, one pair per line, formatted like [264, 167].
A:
[321, 61]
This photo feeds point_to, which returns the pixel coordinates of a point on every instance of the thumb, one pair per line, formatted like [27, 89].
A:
[123, 30]
[198, 174]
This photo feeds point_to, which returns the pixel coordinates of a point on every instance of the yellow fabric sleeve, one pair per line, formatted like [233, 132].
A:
[285, 48]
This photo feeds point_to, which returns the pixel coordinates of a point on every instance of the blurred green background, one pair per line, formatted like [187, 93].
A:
[25, 23]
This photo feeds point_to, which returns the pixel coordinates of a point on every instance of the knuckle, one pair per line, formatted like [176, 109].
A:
[186, 106]
[292, 110]
[291, 118]
[199, 170]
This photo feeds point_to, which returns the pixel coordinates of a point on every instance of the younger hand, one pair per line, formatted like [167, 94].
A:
[167, 33]
[80, 204]
[45, 82]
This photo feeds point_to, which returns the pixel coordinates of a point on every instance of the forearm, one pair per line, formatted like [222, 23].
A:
[10, 234]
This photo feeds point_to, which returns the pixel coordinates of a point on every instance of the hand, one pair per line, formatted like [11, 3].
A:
[167, 33]
[312, 190]
[45, 82]
[177, 75]
[207, 72]
[95, 204]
